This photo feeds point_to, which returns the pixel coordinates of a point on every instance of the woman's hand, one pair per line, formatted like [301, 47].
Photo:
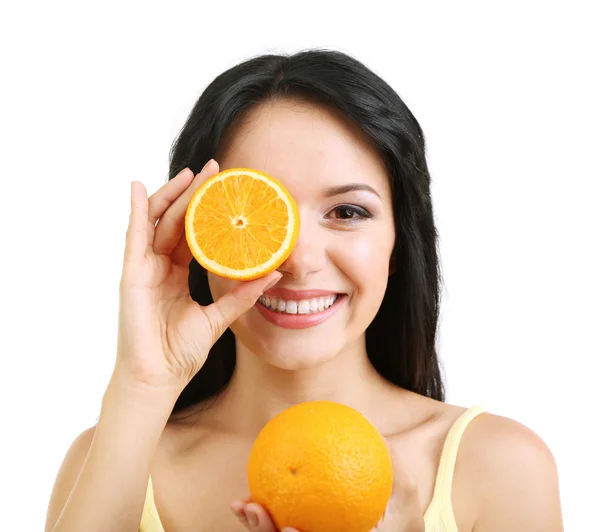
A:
[165, 336]
[403, 513]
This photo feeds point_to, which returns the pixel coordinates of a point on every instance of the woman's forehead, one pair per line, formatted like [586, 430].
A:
[304, 145]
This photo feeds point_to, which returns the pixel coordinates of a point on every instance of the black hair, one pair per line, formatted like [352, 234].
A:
[401, 339]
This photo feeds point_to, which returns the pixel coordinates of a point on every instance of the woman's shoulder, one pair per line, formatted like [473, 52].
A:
[509, 470]
[489, 442]
[503, 470]
[483, 430]
[68, 473]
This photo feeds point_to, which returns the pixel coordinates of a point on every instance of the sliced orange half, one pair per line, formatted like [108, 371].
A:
[241, 224]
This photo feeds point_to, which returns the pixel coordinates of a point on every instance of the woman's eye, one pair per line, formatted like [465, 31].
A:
[350, 212]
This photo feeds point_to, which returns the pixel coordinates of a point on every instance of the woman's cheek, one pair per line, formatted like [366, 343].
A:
[366, 258]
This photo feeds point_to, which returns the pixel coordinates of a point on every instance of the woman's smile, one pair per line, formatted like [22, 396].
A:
[293, 309]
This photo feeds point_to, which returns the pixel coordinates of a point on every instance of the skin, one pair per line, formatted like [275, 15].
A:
[505, 477]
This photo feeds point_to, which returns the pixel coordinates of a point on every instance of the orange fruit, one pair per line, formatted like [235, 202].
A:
[241, 224]
[321, 467]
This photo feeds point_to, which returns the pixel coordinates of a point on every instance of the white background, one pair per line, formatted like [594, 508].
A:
[93, 95]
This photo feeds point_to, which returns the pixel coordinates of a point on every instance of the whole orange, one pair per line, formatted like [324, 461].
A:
[321, 467]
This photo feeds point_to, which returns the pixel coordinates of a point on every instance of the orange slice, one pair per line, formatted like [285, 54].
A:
[241, 224]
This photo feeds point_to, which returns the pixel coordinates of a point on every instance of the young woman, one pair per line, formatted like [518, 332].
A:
[201, 367]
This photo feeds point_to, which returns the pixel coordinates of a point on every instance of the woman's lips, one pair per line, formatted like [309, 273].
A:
[304, 309]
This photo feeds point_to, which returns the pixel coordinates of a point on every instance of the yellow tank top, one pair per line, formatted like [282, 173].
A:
[439, 516]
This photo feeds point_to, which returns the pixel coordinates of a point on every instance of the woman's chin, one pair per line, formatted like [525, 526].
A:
[290, 355]
[295, 363]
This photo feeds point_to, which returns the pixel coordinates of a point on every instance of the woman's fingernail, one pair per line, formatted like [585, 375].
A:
[181, 172]
[207, 164]
[239, 514]
[252, 517]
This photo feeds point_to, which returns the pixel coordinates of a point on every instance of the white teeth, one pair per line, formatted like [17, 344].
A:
[304, 306]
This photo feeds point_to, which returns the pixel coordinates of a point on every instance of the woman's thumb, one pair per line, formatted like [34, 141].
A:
[228, 308]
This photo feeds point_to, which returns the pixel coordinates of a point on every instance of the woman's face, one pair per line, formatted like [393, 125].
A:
[346, 234]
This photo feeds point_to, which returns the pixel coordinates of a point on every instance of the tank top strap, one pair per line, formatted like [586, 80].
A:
[445, 474]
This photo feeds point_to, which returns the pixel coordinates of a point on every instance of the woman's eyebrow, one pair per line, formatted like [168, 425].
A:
[342, 189]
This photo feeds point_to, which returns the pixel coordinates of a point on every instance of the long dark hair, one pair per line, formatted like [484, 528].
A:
[401, 339]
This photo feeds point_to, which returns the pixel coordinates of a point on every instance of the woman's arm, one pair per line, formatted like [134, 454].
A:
[164, 338]
[102, 482]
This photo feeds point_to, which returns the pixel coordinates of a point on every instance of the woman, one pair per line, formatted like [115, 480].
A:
[196, 380]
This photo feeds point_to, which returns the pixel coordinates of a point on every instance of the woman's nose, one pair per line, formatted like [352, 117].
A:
[308, 256]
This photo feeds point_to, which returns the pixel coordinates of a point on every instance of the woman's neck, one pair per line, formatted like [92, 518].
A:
[258, 391]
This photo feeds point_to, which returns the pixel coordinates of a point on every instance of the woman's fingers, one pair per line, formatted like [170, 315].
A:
[170, 227]
[181, 254]
[253, 516]
[136, 239]
[162, 199]
[239, 510]
[229, 307]
[258, 518]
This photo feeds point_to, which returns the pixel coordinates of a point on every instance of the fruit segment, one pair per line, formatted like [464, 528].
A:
[241, 224]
